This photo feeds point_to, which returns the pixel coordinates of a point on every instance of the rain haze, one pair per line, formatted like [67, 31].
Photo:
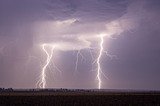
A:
[122, 37]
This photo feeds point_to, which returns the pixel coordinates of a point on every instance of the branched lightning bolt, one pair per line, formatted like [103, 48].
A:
[77, 59]
[42, 82]
[99, 71]
[98, 60]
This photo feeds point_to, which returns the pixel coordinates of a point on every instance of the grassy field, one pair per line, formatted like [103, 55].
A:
[78, 98]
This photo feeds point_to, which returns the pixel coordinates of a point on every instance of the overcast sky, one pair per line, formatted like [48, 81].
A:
[132, 30]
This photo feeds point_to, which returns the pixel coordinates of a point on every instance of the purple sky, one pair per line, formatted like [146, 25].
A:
[25, 24]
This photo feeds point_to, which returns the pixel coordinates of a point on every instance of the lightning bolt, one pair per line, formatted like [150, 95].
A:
[77, 58]
[99, 69]
[78, 55]
[42, 82]
[98, 60]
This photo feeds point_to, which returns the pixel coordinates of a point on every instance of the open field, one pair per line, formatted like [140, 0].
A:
[65, 97]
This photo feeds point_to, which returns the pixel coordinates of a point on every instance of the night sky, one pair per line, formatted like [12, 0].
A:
[132, 29]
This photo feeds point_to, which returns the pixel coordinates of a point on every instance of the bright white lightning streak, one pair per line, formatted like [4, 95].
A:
[43, 73]
[99, 70]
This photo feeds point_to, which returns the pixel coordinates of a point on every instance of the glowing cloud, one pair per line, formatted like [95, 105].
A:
[71, 37]
[74, 34]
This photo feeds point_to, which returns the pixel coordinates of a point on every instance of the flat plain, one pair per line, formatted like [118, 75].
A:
[66, 97]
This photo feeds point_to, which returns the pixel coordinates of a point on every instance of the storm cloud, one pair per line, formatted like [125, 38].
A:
[75, 25]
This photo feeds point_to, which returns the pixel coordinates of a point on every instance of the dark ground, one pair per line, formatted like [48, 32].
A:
[65, 97]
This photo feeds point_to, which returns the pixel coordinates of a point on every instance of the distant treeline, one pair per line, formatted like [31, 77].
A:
[6, 89]
[53, 90]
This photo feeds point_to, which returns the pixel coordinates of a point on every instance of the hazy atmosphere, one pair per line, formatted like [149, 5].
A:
[107, 44]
